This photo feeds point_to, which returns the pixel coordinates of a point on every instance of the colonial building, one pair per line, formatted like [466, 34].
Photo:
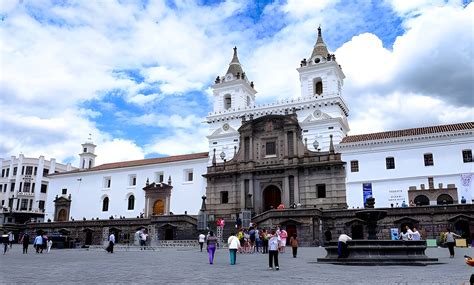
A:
[419, 166]
[320, 108]
[122, 189]
[273, 166]
[25, 186]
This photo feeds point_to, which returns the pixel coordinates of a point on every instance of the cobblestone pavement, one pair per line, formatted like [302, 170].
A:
[189, 266]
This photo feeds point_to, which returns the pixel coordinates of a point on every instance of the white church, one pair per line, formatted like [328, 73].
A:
[419, 166]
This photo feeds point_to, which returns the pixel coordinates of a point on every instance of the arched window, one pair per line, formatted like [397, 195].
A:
[84, 163]
[444, 199]
[90, 163]
[227, 102]
[131, 202]
[421, 200]
[105, 204]
[318, 86]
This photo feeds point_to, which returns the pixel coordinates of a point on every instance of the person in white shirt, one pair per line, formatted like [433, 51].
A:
[110, 248]
[342, 247]
[450, 241]
[410, 233]
[202, 239]
[49, 245]
[38, 243]
[273, 246]
[415, 234]
[234, 245]
[11, 237]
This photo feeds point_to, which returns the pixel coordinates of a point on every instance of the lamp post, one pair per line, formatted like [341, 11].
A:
[222, 155]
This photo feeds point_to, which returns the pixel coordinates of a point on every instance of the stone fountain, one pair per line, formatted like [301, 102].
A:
[378, 252]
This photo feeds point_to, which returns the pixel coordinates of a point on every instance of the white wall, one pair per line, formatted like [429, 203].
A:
[86, 189]
[409, 169]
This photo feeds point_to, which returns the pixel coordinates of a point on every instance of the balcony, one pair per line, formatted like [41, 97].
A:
[32, 211]
[26, 194]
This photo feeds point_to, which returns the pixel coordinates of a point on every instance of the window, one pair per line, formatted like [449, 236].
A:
[354, 166]
[15, 170]
[227, 102]
[12, 187]
[8, 172]
[44, 188]
[107, 182]
[3, 203]
[24, 204]
[64, 191]
[321, 190]
[390, 163]
[1, 187]
[45, 171]
[467, 155]
[318, 86]
[90, 163]
[22, 170]
[83, 163]
[26, 187]
[36, 170]
[428, 159]
[131, 202]
[85, 149]
[3, 172]
[224, 197]
[41, 205]
[29, 170]
[132, 180]
[159, 176]
[430, 183]
[188, 175]
[105, 204]
[270, 148]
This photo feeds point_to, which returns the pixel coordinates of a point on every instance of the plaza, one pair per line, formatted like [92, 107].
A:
[190, 266]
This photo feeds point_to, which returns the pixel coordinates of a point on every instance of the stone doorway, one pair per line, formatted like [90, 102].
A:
[291, 230]
[62, 215]
[357, 232]
[88, 237]
[169, 234]
[462, 228]
[271, 197]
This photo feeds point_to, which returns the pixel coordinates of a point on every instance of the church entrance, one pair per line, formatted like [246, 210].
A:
[169, 234]
[271, 197]
[62, 215]
[159, 207]
[88, 237]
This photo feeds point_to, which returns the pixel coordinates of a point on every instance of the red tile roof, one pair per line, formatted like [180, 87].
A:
[141, 162]
[409, 132]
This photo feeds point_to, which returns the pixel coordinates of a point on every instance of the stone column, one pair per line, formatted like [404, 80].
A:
[285, 195]
[242, 194]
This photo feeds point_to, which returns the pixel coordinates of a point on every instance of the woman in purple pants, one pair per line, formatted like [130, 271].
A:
[211, 246]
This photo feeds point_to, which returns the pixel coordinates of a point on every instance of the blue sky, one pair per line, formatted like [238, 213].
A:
[136, 74]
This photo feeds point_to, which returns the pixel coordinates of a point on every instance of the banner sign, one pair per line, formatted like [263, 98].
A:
[394, 234]
[366, 191]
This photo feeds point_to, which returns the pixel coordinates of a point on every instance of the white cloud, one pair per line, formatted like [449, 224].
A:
[118, 150]
[49, 70]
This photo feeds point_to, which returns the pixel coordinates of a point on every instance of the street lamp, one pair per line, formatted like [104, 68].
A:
[222, 155]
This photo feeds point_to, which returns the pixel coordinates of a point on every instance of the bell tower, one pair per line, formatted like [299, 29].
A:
[233, 91]
[87, 157]
[320, 75]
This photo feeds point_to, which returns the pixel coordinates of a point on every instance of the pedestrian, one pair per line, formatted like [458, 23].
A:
[5, 242]
[283, 236]
[11, 238]
[49, 245]
[110, 248]
[342, 246]
[211, 246]
[38, 243]
[45, 242]
[404, 235]
[202, 239]
[273, 246]
[234, 245]
[294, 244]
[25, 241]
[415, 234]
[265, 241]
[450, 242]
[143, 238]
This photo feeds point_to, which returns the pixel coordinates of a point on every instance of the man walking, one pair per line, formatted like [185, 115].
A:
[38, 243]
[201, 239]
[25, 241]
[11, 237]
